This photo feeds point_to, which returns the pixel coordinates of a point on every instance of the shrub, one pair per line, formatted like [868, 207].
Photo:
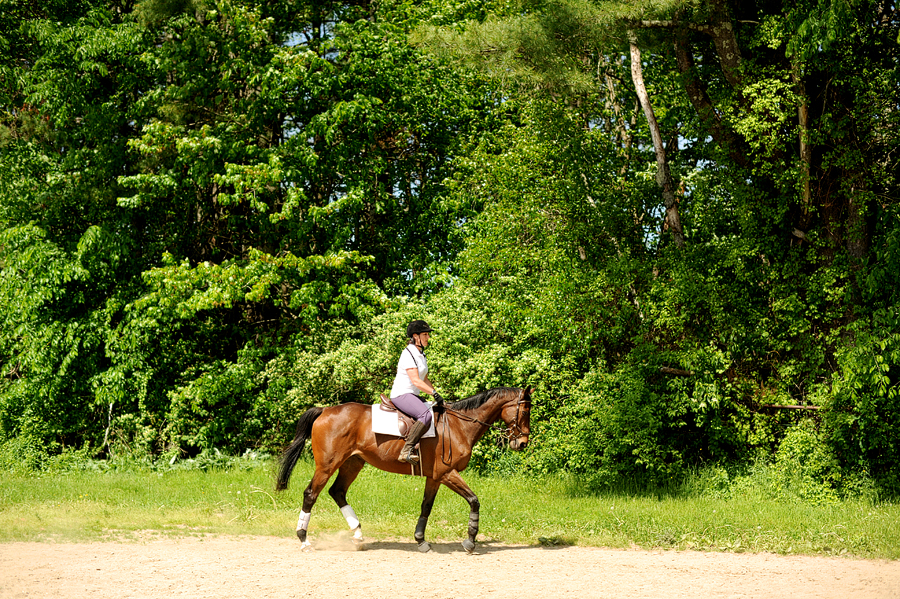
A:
[803, 469]
[863, 408]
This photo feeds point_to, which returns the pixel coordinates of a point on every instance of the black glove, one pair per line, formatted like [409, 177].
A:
[438, 403]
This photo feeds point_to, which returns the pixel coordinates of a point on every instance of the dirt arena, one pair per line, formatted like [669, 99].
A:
[262, 568]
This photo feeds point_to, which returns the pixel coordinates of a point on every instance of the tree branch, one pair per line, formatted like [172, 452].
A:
[675, 371]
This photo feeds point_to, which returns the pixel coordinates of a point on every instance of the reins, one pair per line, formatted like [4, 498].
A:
[510, 433]
[465, 417]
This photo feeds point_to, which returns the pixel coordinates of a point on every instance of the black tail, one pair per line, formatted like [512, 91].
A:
[290, 455]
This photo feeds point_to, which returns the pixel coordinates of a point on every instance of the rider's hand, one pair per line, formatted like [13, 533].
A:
[438, 399]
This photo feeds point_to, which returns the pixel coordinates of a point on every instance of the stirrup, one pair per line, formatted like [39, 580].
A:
[411, 457]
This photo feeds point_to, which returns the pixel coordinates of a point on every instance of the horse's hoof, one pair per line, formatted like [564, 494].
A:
[357, 543]
[306, 547]
[424, 547]
[469, 546]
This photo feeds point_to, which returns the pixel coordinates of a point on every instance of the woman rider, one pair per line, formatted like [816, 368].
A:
[411, 379]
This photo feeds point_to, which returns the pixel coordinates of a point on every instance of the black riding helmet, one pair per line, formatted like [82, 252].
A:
[417, 326]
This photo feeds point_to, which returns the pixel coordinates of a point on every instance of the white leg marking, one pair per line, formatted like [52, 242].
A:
[350, 515]
[303, 522]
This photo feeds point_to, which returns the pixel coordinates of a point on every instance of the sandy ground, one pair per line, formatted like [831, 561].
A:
[260, 568]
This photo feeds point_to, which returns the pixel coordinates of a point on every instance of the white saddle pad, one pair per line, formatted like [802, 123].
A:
[388, 423]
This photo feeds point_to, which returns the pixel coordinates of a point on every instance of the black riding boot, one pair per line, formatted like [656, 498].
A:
[415, 433]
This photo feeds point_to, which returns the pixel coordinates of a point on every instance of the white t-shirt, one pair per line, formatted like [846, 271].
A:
[411, 357]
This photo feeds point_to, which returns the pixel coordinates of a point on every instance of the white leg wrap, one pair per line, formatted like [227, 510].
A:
[303, 522]
[350, 515]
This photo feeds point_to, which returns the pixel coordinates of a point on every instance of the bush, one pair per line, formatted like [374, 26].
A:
[803, 469]
[617, 426]
[22, 453]
[863, 408]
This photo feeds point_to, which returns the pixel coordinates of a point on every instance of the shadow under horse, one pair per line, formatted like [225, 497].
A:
[342, 441]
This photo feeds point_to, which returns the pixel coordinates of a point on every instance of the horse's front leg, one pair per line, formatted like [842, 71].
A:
[431, 489]
[455, 482]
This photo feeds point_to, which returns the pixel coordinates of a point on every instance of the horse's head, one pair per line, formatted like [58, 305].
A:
[517, 416]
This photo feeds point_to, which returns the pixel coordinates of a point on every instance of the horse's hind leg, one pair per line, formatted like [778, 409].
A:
[338, 491]
[319, 479]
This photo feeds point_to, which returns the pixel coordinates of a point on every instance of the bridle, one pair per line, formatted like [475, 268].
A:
[515, 430]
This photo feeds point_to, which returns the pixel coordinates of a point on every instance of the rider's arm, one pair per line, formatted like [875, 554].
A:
[426, 386]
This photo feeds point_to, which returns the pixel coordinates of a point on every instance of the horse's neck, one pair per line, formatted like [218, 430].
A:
[490, 411]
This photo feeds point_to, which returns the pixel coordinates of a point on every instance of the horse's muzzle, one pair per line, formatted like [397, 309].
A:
[518, 444]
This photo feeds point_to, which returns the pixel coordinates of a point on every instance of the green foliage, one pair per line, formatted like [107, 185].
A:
[637, 424]
[215, 214]
[823, 25]
[23, 454]
[541, 45]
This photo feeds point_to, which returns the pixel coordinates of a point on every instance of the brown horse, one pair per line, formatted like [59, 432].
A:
[343, 441]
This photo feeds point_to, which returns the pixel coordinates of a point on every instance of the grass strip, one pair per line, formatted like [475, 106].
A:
[550, 510]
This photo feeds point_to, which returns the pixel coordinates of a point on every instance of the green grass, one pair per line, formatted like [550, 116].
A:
[135, 502]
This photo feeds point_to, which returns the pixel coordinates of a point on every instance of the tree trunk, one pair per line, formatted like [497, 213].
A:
[805, 148]
[722, 32]
[663, 175]
[700, 100]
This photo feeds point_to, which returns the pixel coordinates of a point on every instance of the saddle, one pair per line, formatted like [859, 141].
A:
[403, 421]
[387, 419]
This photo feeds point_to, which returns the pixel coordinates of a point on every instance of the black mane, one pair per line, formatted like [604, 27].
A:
[479, 399]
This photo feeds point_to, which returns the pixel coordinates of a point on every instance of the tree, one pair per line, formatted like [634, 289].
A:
[736, 64]
[776, 181]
